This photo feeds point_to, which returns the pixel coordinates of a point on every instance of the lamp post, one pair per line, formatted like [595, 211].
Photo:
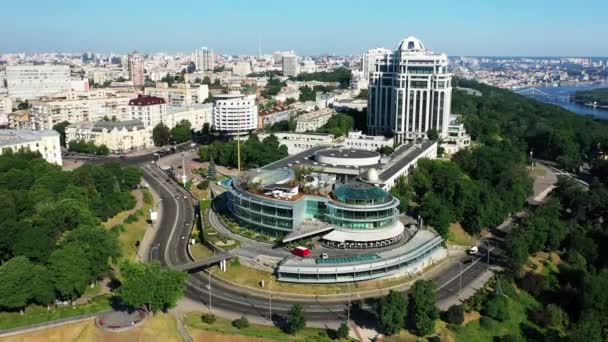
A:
[348, 308]
[270, 300]
[488, 249]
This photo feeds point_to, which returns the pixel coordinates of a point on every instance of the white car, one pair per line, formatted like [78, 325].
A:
[473, 250]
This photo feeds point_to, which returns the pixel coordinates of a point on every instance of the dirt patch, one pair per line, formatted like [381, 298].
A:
[471, 316]
[200, 335]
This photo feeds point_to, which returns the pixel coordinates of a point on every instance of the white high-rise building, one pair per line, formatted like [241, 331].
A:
[26, 82]
[204, 59]
[136, 69]
[410, 93]
[290, 65]
[369, 59]
[235, 113]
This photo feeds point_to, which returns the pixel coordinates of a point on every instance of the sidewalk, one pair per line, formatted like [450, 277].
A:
[143, 253]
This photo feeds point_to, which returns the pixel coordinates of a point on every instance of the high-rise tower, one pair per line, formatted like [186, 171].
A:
[410, 92]
[136, 69]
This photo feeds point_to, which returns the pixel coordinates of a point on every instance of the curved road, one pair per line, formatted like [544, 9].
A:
[170, 248]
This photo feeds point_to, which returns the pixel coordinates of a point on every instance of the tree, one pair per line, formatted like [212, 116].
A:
[161, 135]
[203, 153]
[60, 128]
[15, 277]
[70, 270]
[99, 245]
[454, 315]
[295, 319]
[391, 312]
[342, 331]
[421, 310]
[181, 132]
[432, 134]
[436, 214]
[150, 286]
[102, 150]
[211, 172]
[241, 323]
[497, 307]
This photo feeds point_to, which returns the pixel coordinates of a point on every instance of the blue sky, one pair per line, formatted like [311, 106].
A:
[464, 27]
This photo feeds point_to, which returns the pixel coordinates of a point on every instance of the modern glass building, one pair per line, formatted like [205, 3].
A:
[361, 214]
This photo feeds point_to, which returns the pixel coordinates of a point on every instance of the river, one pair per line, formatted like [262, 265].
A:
[563, 100]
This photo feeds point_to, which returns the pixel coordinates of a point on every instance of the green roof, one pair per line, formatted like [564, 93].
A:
[359, 191]
[348, 259]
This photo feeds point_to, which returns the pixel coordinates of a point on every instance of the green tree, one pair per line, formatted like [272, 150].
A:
[295, 319]
[15, 277]
[432, 134]
[161, 135]
[203, 153]
[60, 128]
[241, 323]
[342, 331]
[211, 172]
[150, 286]
[422, 311]
[70, 270]
[497, 307]
[102, 150]
[99, 246]
[436, 214]
[181, 132]
[391, 311]
[455, 314]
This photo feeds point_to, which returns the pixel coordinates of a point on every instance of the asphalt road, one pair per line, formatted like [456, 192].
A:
[170, 248]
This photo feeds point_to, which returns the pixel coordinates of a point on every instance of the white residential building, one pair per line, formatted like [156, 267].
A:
[204, 59]
[290, 65]
[410, 93]
[6, 107]
[300, 142]
[369, 60]
[241, 68]
[457, 138]
[78, 106]
[26, 82]
[235, 113]
[151, 110]
[312, 121]
[197, 115]
[359, 141]
[119, 137]
[45, 142]
[180, 95]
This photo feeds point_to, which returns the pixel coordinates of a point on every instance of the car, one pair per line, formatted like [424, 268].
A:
[324, 256]
[467, 261]
[177, 197]
[473, 250]
[185, 197]
[122, 157]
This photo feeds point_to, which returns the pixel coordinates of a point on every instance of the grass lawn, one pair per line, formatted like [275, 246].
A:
[441, 330]
[199, 251]
[36, 314]
[161, 327]
[251, 277]
[457, 236]
[197, 330]
[133, 222]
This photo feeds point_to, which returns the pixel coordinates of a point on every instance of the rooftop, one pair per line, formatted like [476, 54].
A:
[347, 153]
[146, 100]
[359, 191]
[10, 137]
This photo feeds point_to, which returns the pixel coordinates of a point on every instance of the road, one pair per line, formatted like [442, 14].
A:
[170, 248]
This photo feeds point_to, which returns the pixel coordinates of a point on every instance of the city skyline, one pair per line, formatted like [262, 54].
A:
[312, 28]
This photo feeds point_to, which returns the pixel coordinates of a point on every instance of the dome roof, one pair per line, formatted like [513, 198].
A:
[411, 43]
[359, 191]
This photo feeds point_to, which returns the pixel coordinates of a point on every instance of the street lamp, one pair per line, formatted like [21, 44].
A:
[270, 300]
[488, 246]
[348, 308]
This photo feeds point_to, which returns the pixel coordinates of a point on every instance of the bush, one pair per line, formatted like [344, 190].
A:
[497, 308]
[508, 338]
[241, 323]
[342, 331]
[487, 323]
[203, 185]
[131, 218]
[434, 339]
[454, 315]
[147, 197]
[208, 318]
[295, 319]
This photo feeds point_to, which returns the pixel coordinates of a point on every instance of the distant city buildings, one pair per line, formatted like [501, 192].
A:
[410, 93]
[44, 142]
[25, 82]
[235, 113]
[136, 69]
[369, 60]
[204, 59]
[312, 121]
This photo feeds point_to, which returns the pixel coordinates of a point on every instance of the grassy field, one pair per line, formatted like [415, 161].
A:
[251, 277]
[37, 314]
[132, 224]
[197, 330]
[161, 327]
[457, 236]
[199, 251]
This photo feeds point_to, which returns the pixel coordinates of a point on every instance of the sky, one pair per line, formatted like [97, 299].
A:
[309, 27]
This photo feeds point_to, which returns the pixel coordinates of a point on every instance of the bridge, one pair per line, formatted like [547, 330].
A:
[217, 258]
[532, 91]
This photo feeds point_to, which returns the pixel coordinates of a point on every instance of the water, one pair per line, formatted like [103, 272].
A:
[563, 100]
